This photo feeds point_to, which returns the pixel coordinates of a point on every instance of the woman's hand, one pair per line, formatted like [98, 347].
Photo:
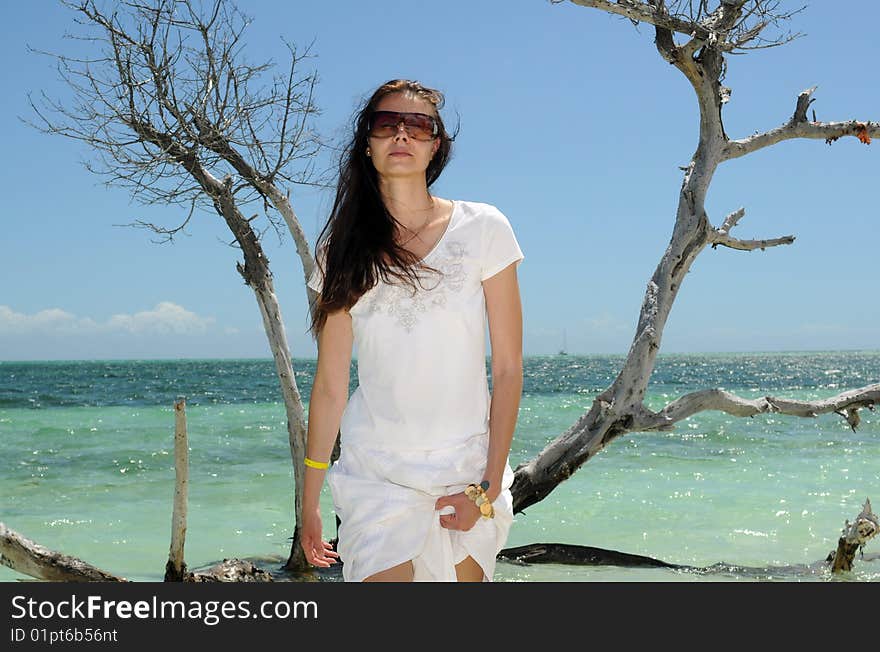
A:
[318, 552]
[466, 512]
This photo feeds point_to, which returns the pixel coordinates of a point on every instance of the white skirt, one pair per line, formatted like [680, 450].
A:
[385, 500]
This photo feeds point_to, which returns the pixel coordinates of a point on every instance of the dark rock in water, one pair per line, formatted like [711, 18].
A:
[563, 553]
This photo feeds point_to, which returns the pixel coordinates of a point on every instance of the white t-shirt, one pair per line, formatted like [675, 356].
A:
[421, 359]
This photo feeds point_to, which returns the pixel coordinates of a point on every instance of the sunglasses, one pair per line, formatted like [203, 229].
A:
[419, 126]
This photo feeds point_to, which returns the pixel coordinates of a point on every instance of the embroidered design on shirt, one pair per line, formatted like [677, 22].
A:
[399, 301]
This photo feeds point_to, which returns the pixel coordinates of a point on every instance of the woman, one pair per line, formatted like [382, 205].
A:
[410, 280]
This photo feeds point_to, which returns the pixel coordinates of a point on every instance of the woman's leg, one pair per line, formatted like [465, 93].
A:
[469, 570]
[400, 573]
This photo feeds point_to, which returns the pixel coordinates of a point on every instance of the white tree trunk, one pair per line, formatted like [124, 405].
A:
[296, 421]
[620, 408]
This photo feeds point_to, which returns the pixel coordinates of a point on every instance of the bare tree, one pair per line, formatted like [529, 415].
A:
[175, 114]
[708, 31]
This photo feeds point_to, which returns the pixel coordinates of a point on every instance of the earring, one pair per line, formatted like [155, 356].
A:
[368, 151]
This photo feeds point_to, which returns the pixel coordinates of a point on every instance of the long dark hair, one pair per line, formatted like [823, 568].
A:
[357, 243]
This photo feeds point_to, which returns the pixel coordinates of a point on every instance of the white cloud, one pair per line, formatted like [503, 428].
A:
[165, 319]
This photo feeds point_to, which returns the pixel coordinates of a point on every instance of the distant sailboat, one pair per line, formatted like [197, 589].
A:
[564, 349]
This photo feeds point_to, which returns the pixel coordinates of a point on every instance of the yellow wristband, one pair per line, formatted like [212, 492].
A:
[316, 465]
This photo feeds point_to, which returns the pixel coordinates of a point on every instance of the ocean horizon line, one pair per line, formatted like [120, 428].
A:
[527, 356]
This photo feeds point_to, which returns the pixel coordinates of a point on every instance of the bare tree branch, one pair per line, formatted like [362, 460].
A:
[800, 127]
[721, 236]
[722, 401]
[734, 25]
[748, 245]
[170, 67]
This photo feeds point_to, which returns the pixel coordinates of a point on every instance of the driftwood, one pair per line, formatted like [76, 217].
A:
[29, 558]
[175, 569]
[230, 570]
[25, 556]
[854, 538]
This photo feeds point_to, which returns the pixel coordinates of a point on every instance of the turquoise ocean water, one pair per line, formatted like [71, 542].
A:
[86, 466]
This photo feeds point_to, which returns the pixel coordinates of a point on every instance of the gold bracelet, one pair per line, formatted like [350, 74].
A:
[477, 493]
[316, 465]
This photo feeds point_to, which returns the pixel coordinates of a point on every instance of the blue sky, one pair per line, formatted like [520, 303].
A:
[570, 123]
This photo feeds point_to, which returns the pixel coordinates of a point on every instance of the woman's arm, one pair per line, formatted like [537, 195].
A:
[504, 310]
[326, 405]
